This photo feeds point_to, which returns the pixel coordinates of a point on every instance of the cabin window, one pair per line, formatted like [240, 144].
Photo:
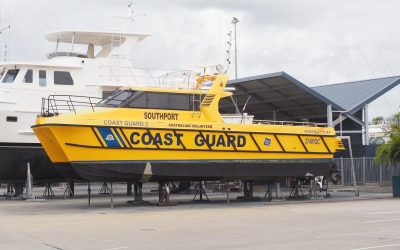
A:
[176, 101]
[162, 101]
[28, 78]
[10, 76]
[138, 101]
[63, 78]
[154, 100]
[157, 100]
[118, 98]
[42, 78]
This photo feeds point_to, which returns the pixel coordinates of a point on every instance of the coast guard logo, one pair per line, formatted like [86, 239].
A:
[110, 137]
[267, 142]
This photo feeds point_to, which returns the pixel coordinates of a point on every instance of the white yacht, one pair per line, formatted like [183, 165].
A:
[103, 67]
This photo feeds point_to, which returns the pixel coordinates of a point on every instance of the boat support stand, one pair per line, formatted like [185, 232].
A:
[104, 189]
[163, 195]
[48, 191]
[200, 191]
[248, 192]
[69, 189]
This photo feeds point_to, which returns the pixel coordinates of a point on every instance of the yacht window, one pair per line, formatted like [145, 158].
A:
[118, 98]
[10, 76]
[63, 78]
[28, 78]
[42, 78]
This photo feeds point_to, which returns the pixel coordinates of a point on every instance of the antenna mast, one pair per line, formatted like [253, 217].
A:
[234, 22]
[6, 45]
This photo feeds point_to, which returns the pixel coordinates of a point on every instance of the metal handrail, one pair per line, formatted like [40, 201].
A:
[55, 104]
[293, 123]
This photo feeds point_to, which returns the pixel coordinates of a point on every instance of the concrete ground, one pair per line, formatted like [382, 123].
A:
[342, 222]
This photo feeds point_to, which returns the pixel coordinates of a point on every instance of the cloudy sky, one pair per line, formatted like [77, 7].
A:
[317, 42]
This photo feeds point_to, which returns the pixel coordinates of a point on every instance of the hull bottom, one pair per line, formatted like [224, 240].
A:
[140, 171]
[13, 163]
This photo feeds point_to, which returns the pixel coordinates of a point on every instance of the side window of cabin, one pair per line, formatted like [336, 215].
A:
[10, 76]
[63, 78]
[162, 101]
[138, 101]
[157, 100]
[118, 98]
[28, 78]
[179, 102]
[42, 78]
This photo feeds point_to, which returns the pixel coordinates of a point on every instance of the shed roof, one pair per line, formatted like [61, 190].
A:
[276, 92]
[352, 96]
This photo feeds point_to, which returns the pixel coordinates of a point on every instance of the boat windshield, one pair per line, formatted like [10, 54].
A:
[117, 99]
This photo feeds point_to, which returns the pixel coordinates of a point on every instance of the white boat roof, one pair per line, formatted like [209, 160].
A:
[40, 64]
[86, 37]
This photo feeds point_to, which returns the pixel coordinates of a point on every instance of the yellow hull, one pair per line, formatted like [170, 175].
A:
[68, 143]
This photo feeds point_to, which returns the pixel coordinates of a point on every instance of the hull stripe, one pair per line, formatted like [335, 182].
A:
[323, 140]
[126, 139]
[210, 150]
[119, 138]
[98, 137]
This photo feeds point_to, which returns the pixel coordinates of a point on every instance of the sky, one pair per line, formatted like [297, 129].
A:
[317, 42]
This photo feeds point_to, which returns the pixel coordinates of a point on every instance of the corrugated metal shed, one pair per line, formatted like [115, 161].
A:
[352, 96]
[276, 94]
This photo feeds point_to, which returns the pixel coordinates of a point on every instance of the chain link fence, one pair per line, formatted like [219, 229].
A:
[367, 171]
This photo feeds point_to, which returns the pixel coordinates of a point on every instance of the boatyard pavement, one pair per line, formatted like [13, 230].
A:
[71, 224]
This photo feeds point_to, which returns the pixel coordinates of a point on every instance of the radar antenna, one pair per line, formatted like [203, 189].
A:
[130, 16]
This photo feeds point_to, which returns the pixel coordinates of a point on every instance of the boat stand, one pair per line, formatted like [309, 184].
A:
[129, 188]
[69, 190]
[163, 195]
[200, 191]
[296, 190]
[10, 191]
[137, 188]
[89, 192]
[248, 192]
[227, 192]
[138, 194]
[111, 195]
[48, 191]
[104, 189]
[268, 192]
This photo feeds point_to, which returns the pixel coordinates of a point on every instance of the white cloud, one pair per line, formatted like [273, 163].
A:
[317, 42]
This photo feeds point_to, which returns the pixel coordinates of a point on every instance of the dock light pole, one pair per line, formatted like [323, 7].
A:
[234, 22]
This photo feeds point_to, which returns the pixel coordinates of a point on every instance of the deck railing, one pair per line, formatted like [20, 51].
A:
[56, 104]
[291, 123]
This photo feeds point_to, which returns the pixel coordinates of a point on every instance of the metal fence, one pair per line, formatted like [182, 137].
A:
[366, 171]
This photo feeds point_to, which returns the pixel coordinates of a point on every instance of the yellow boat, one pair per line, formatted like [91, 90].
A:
[155, 134]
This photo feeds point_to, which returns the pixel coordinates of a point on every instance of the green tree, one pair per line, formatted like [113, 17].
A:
[377, 120]
[390, 152]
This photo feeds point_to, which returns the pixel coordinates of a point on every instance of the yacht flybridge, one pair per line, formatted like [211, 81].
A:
[102, 67]
[156, 134]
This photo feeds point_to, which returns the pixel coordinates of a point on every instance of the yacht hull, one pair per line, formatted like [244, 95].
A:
[14, 158]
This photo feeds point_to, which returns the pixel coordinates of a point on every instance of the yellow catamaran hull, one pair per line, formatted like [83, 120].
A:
[135, 153]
